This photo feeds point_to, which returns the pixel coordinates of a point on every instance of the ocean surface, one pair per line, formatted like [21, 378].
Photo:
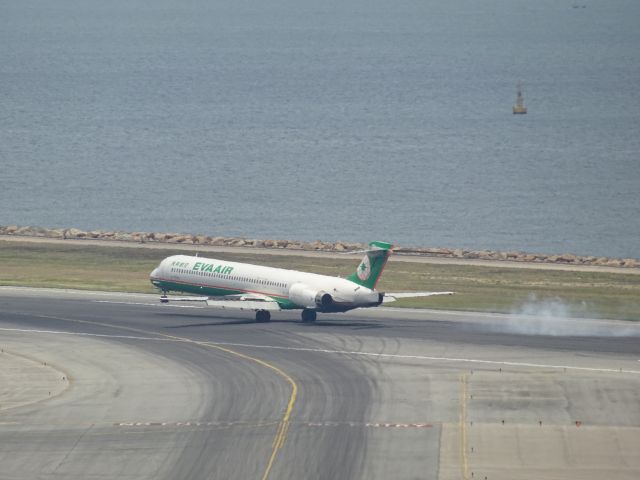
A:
[335, 120]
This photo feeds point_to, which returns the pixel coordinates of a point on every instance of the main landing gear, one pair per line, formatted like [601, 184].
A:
[308, 316]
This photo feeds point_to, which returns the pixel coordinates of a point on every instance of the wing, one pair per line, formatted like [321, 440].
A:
[392, 297]
[246, 301]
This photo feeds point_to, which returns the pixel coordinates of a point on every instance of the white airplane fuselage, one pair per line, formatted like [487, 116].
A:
[290, 289]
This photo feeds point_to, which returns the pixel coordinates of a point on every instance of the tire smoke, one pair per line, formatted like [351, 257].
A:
[555, 317]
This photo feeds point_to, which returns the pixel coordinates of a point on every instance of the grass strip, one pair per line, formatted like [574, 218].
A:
[478, 288]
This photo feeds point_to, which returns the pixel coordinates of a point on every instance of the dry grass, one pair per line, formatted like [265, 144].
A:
[477, 288]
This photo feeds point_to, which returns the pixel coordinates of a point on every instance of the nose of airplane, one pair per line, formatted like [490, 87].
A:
[154, 274]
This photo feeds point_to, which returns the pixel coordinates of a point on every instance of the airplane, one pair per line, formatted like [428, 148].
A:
[243, 286]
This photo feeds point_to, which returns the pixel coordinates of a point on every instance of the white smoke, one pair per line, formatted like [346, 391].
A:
[555, 317]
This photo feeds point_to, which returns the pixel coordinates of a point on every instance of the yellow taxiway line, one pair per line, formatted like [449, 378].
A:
[283, 424]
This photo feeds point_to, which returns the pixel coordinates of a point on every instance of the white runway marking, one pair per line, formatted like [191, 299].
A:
[270, 423]
[83, 334]
[59, 292]
[338, 352]
[148, 304]
[429, 358]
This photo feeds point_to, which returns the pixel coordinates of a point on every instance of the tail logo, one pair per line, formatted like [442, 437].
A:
[364, 269]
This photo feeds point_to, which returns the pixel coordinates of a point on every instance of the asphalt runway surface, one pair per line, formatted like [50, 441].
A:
[99, 385]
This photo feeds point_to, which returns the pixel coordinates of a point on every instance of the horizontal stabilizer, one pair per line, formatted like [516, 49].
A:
[392, 297]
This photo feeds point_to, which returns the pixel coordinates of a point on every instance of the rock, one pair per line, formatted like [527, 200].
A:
[630, 263]
[55, 233]
[23, 231]
[176, 238]
[217, 241]
[436, 251]
[75, 233]
[316, 245]
[180, 239]
[39, 232]
[139, 237]
[567, 258]
[123, 236]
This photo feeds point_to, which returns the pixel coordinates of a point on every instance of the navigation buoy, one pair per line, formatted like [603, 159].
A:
[519, 107]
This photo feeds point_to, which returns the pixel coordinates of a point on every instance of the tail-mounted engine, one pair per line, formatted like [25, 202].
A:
[307, 297]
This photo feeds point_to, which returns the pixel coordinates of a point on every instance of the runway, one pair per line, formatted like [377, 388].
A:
[113, 385]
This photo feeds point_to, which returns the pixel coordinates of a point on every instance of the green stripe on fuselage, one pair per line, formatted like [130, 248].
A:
[209, 291]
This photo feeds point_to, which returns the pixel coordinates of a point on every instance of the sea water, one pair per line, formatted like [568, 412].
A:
[334, 120]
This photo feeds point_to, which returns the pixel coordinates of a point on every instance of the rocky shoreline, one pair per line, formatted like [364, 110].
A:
[190, 239]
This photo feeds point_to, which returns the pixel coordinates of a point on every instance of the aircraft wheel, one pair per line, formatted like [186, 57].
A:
[308, 316]
[263, 316]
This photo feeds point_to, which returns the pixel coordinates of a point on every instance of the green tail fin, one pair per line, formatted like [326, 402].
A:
[372, 265]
